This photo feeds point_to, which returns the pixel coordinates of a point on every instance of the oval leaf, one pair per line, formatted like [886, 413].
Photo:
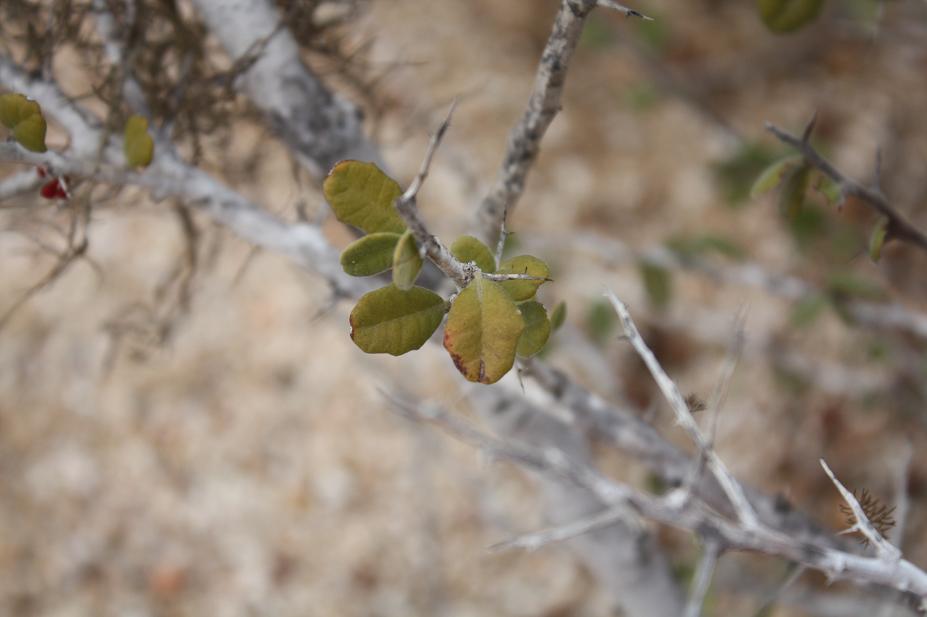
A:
[369, 255]
[31, 133]
[361, 195]
[782, 16]
[658, 283]
[482, 331]
[524, 264]
[792, 195]
[467, 248]
[393, 321]
[558, 316]
[537, 328]
[773, 175]
[14, 108]
[138, 146]
[877, 239]
[407, 262]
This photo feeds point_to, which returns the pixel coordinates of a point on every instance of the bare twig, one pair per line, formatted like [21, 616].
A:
[611, 4]
[684, 418]
[898, 226]
[545, 101]
[534, 541]
[863, 525]
[702, 580]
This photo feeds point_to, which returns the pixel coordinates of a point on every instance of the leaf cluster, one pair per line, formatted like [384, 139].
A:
[489, 322]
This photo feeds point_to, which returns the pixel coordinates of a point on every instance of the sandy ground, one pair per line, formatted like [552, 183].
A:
[238, 457]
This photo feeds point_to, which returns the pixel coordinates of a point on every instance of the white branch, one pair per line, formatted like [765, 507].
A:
[684, 417]
[883, 548]
[702, 580]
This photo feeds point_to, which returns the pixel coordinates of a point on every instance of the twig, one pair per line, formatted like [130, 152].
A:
[684, 417]
[538, 539]
[883, 548]
[898, 226]
[896, 535]
[702, 580]
[406, 206]
[545, 101]
[611, 4]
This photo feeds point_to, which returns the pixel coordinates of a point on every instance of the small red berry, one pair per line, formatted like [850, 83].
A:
[53, 190]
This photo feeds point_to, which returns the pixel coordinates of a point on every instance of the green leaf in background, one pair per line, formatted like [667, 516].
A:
[782, 16]
[829, 189]
[736, 174]
[24, 118]
[467, 248]
[658, 283]
[30, 133]
[850, 285]
[794, 187]
[773, 175]
[558, 316]
[600, 320]
[393, 321]
[524, 264]
[407, 262]
[697, 246]
[877, 239]
[138, 146]
[370, 255]
[361, 195]
[806, 311]
[537, 328]
[482, 331]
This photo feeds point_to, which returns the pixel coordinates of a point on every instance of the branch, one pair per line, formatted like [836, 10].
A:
[684, 417]
[863, 525]
[702, 580]
[319, 126]
[406, 206]
[898, 226]
[544, 103]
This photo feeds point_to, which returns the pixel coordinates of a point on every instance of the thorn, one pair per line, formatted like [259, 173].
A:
[806, 134]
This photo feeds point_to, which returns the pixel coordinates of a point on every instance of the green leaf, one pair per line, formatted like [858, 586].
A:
[370, 255]
[782, 16]
[794, 187]
[467, 248]
[808, 309]
[361, 195]
[849, 285]
[558, 316]
[738, 172]
[830, 190]
[482, 331]
[773, 175]
[407, 262]
[524, 264]
[31, 133]
[658, 283]
[696, 246]
[877, 239]
[138, 145]
[537, 328]
[14, 108]
[393, 321]
[600, 320]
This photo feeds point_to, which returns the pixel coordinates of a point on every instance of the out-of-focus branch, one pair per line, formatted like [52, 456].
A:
[898, 574]
[898, 226]
[544, 103]
[702, 580]
[320, 127]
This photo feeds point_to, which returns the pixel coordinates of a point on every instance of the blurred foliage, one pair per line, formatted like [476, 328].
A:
[784, 16]
[736, 174]
[658, 283]
[600, 321]
[689, 247]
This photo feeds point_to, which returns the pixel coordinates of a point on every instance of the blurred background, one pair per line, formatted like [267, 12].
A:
[187, 429]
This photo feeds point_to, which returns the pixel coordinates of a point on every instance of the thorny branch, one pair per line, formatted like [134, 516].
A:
[898, 226]
[544, 103]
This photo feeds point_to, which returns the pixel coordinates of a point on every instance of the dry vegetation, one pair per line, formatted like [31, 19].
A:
[186, 428]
